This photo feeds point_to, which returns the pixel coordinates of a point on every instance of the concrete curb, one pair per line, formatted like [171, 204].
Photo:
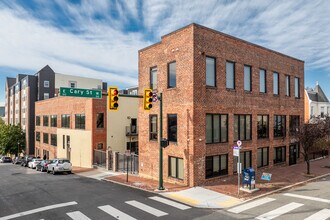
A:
[286, 187]
[135, 187]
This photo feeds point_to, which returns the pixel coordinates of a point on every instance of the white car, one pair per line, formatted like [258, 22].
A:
[59, 166]
[32, 164]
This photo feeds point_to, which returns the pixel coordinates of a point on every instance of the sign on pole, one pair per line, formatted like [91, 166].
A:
[84, 93]
[239, 143]
[236, 151]
[154, 96]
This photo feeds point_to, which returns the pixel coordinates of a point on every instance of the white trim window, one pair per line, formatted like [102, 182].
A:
[46, 84]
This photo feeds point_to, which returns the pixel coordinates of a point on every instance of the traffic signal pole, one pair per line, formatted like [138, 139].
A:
[161, 186]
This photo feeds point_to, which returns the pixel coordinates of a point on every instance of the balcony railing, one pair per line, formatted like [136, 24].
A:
[131, 130]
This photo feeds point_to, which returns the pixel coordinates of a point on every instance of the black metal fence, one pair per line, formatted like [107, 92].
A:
[131, 162]
[100, 158]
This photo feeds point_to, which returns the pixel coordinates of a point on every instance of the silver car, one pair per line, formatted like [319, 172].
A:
[59, 166]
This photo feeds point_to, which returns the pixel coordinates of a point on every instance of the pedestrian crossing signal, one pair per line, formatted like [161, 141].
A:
[147, 99]
[113, 97]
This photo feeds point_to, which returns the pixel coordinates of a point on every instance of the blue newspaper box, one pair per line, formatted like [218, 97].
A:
[249, 178]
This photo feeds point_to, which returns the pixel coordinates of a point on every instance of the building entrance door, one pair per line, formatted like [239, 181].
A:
[293, 154]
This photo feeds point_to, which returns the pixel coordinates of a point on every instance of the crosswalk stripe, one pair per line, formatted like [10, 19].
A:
[250, 205]
[170, 203]
[146, 208]
[116, 213]
[320, 215]
[77, 216]
[307, 197]
[279, 211]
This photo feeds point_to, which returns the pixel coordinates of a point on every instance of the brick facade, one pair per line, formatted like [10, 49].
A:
[71, 106]
[191, 99]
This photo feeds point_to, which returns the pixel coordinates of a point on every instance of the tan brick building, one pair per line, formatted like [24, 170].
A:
[71, 127]
[217, 89]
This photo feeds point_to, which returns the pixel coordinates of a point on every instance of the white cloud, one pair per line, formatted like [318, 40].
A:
[104, 49]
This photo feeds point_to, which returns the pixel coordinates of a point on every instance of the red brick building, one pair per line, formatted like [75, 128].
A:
[218, 89]
[71, 127]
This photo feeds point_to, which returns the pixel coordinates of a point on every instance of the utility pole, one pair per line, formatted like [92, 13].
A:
[161, 186]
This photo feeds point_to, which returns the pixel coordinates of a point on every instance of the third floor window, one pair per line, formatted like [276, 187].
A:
[276, 90]
[296, 87]
[287, 85]
[153, 78]
[210, 71]
[230, 75]
[172, 75]
[262, 79]
[247, 78]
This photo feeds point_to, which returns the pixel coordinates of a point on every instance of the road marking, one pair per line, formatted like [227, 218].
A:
[146, 208]
[38, 210]
[77, 216]
[250, 205]
[320, 215]
[307, 197]
[170, 203]
[279, 211]
[116, 213]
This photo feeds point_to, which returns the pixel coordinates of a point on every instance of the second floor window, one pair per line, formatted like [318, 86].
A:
[100, 120]
[80, 121]
[262, 79]
[172, 75]
[65, 122]
[247, 78]
[230, 75]
[37, 136]
[242, 127]
[37, 120]
[263, 126]
[172, 127]
[275, 84]
[153, 78]
[46, 120]
[210, 71]
[216, 128]
[53, 139]
[153, 127]
[279, 125]
[45, 136]
[294, 124]
[53, 121]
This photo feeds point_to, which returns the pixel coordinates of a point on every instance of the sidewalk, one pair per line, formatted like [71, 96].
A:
[223, 193]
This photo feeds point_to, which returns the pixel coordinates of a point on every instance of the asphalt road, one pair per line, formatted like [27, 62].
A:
[310, 202]
[27, 194]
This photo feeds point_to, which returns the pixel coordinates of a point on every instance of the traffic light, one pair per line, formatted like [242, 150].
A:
[147, 99]
[113, 98]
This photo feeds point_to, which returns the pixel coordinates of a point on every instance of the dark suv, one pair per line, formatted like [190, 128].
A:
[26, 160]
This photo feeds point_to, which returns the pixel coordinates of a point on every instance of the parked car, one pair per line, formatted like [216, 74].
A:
[43, 165]
[59, 165]
[17, 160]
[33, 163]
[26, 160]
[5, 159]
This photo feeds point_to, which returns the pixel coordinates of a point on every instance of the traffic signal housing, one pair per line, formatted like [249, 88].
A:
[113, 97]
[147, 99]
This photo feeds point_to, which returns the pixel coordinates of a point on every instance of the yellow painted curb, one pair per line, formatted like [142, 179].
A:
[184, 199]
[229, 203]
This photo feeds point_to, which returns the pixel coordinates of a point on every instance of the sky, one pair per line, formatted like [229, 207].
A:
[101, 38]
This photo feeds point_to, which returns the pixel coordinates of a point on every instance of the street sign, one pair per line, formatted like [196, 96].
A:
[266, 176]
[236, 151]
[84, 93]
[239, 143]
[154, 96]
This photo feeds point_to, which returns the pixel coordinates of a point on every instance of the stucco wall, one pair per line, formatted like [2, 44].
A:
[80, 144]
[117, 122]
[62, 80]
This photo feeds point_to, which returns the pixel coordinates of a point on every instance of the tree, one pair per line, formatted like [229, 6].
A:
[313, 137]
[12, 139]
